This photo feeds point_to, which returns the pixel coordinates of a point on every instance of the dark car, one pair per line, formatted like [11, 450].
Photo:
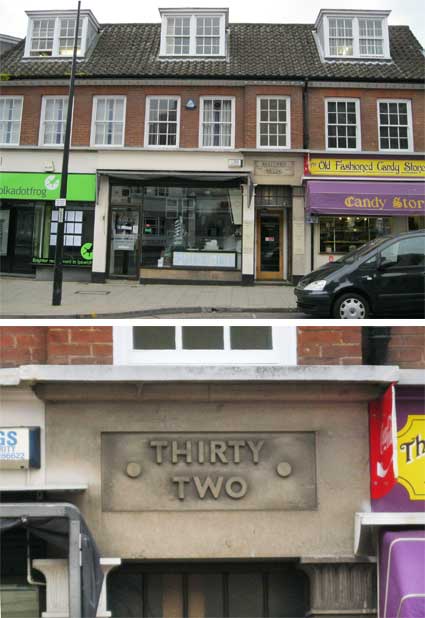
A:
[384, 277]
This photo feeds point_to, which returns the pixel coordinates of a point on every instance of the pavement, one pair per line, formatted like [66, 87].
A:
[27, 298]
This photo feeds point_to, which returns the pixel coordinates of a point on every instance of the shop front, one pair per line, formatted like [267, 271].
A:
[182, 227]
[394, 531]
[357, 200]
[29, 220]
[213, 508]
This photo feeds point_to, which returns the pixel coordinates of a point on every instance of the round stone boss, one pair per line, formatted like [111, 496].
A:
[284, 469]
[133, 469]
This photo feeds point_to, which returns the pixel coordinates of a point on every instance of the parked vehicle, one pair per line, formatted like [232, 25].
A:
[384, 277]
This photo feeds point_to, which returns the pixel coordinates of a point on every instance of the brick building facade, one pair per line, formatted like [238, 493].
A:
[239, 204]
[233, 486]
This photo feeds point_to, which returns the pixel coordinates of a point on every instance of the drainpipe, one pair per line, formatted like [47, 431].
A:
[375, 340]
[306, 145]
[306, 140]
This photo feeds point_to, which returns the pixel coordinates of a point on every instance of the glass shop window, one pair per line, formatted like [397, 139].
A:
[343, 234]
[209, 591]
[416, 223]
[78, 234]
[192, 227]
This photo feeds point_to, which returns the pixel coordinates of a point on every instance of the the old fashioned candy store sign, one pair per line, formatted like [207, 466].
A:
[208, 471]
[411, 456]
[391, 168]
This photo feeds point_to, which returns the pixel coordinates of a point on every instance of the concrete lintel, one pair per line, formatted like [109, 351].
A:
[197, 373]
[412, 377]
[366, 526]
[68, 488]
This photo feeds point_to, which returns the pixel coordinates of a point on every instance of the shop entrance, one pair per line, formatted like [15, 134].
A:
[125, 246]
[16, 238]
[269, 257]
[232, 590]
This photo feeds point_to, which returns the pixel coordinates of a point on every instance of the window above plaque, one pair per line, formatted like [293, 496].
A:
[239, 344]
[353, 35]
[51, 34]
[188, 32]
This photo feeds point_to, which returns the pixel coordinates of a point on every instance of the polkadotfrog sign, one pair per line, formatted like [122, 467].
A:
[22, 186]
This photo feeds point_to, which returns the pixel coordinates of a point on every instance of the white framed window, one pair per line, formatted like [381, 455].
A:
[42, 37]
[343, 124]
[178, 36]
[187, 33]
[208, 34]
[10, 120]
[51, 34]
[340, 36]
[217, 122]
[371, 37]
[219, 345]
[344, 34]
[53, 120]
[108, 121]
[273, 122]
[67, 36]
[395, 125]
[162, 121]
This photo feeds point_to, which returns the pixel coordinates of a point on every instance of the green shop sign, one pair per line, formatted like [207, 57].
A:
[81, 187]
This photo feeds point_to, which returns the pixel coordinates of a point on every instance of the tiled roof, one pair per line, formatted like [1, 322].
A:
[262, 51]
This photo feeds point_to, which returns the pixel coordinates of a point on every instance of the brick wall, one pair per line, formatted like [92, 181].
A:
[75, 345]
[61, 345]
[407, 347]
[246, 118]
[87, 345]
[22, 345]
[368, 114]
[339, 345]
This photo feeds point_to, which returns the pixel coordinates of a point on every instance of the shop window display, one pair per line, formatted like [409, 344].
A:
[188, 221]
[343, 234]
[175, 226]
[78, 234]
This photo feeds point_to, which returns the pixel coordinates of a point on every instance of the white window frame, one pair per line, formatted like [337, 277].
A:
[192, 38]
[43, 120]
[201, 122]
[93, 121]
[288, 121]
[56, 36]
[410, 147]
[147, 121]
[14, 98]
[358, 123]
[283, 352]
[356, 36]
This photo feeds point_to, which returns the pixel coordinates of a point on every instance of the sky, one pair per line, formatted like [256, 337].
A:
[407, 12]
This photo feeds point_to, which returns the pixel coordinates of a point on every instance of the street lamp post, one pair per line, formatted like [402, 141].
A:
[61, 203]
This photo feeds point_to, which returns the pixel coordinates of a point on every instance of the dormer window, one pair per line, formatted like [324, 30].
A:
[353, 34]
[51, 34]
[193, 32]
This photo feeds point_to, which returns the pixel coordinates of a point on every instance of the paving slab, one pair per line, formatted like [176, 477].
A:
[28, 298]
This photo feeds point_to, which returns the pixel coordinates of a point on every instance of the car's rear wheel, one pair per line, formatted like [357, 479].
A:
[351, 306]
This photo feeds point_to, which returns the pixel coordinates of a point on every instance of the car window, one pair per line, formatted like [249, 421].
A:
[371, 261]
[405, 252]
[349, 258]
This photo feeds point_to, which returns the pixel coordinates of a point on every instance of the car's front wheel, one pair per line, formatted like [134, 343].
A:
[351, 306]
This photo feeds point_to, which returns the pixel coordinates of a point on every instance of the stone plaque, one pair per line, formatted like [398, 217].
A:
[274, 167]
[208, 471]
